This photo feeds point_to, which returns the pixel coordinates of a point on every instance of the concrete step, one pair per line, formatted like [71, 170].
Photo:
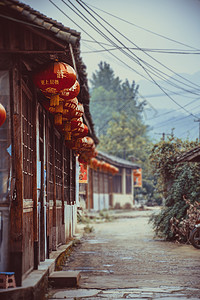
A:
[62, 279]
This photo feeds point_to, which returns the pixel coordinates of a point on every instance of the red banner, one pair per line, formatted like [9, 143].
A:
[82, 173]
[137, 177]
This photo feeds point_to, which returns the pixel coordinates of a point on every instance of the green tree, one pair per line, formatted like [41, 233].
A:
[117, 115]
[176, 182]
[105, 77]
[110, 95]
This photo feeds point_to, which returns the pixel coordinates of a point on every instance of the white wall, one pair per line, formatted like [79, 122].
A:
[100, 201]
[122, 199]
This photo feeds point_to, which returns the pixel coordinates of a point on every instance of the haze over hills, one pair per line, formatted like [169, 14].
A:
[163, 114]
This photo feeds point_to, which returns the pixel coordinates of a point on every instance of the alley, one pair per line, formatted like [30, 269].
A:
[121, 259]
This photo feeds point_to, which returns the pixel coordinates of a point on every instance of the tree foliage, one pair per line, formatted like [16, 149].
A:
[176, 181]
[109, 95]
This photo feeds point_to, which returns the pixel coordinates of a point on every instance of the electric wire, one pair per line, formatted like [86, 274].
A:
[172, 119]
[101, 33]
[115, 56]
[162, 51]
[188, 131]
[147, 30]
[129, 41]
[75, 11]
[171, 111]
[128, 66]
[139, 63]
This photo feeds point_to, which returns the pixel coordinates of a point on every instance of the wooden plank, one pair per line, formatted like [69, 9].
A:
[35, 200]
[62, 195]
[16, 212]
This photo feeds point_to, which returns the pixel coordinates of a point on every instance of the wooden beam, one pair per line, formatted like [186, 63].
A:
[35, 200]
[17, 51]
[16, 211]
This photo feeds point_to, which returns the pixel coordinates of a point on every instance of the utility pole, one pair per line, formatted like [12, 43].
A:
[164, 134]
[198, 120]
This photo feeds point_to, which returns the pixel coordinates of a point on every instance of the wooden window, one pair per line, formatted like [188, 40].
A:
[117, 182]
[95, 182]
[27, 143]
[50, 163]
[67, 175]
[106, 188]
[72, 178]
[58, 167]
[128, 181]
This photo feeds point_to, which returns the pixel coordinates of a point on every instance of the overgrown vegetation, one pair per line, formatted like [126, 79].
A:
[179, 184]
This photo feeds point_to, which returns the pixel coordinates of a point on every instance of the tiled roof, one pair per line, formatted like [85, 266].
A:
[119, 162]
[192, 155]
[41, 21]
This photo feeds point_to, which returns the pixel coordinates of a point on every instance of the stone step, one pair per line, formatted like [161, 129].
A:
[62, 279]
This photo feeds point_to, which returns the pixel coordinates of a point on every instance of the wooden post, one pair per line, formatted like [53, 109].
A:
[35, 200]
[16, 212]
[54, 229]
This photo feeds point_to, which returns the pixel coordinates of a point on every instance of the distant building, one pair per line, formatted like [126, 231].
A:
[102, 190]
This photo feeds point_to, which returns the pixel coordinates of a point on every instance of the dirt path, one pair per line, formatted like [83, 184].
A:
[121, 259]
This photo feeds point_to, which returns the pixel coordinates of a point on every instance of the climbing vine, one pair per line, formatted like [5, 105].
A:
[177, 182]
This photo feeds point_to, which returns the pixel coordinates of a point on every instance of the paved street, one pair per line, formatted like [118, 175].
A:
[122, 260]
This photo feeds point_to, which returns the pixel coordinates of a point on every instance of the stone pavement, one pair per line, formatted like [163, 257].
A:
[122, 260]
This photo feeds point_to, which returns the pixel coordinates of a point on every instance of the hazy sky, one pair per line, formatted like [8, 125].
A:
[143, 56]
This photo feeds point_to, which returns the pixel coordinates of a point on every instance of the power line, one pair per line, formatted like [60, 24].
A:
[147, 30]
[129, 41]
[134, 55]
[162, 51]
[172, 111]
[117, 57]
[106, 37]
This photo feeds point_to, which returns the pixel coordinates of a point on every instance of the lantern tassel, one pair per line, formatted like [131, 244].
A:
[54, 100]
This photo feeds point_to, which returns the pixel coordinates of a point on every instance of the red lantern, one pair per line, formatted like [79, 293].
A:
[2, 114]
[106, 167]
[72, 125]
[88, 144]
[56, 77]
[82, 160]
[74, 144]
[80, 132]
[101, 165]
[70, 93]
[70, 108]
[94, 163]
[114, 170]
[73, 109]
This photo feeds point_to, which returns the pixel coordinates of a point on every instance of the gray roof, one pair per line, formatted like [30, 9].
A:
[41, 21]
[117, 161]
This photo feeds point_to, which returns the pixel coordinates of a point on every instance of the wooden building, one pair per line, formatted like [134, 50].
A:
[38, 187]
[103, 190]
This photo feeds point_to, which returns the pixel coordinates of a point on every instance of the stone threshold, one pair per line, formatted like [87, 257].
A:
[35, 285]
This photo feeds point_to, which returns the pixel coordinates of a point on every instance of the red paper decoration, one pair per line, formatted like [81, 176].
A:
[2, 114]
